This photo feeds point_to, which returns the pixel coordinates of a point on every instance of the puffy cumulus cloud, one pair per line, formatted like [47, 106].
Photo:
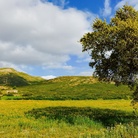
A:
[134, 3]
[40, 33]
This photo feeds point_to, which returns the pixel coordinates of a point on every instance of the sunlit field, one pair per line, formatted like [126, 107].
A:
[15, 123]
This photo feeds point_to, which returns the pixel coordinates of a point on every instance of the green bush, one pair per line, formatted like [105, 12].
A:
[9, 94]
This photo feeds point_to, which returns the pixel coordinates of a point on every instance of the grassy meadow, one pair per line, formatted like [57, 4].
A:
[27, 119]
[70, 88]
[59, 91]
[64, 107]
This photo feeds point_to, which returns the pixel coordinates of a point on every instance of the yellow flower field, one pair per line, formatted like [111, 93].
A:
[14, 123]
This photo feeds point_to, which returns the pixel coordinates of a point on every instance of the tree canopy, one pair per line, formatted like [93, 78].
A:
[114, 48]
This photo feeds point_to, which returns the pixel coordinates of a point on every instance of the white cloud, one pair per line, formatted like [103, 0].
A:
[37, 33]
[107, 9]
[133, 3]
[48, 77]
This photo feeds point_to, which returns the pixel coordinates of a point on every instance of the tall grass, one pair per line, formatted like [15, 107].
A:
[15, 124]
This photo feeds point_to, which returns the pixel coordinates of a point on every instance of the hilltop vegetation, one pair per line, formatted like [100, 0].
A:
[11, 77]
[61, 88]
[91, 117]
[75, 88]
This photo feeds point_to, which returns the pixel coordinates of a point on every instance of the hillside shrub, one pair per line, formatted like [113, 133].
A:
[9, 94]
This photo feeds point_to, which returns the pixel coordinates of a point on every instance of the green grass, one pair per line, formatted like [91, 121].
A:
[61, 88]
[18, 119]
[75, 88]
[70, 114]
[11, 97]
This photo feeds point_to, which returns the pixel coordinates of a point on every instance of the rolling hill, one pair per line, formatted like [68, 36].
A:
[75, 88]
[61, 88]
[11, 77]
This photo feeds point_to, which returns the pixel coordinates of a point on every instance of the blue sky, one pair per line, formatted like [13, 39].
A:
[41, 37]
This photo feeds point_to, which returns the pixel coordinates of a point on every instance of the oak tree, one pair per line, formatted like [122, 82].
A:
[113, 48]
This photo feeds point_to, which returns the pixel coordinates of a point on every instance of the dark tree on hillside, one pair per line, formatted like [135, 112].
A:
[114, 48]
